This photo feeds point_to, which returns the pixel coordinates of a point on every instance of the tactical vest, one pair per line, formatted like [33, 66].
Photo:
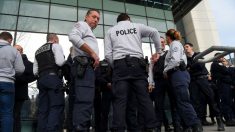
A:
[45, 58]
[158, 67]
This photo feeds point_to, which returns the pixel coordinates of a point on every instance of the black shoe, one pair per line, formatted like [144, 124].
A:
[197, 128]
[205, 122]
[213, 120]
[230, 123]
[220, 124]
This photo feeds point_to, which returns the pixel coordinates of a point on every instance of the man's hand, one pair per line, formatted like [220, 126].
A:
[96, 60]
[165, 75]
[150, 88]
[155, 57]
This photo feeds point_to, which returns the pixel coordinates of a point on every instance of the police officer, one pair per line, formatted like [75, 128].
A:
[175, 71]
[11, 64]
[158, 94]
[199, 85]
[104, 93]
[21, 88]
[123, 49]
[85, 58]
[48, 60]
[222, 76]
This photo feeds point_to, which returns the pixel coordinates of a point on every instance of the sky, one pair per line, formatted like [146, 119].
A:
[224, 13]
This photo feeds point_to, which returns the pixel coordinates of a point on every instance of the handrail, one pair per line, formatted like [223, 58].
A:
[227, 50]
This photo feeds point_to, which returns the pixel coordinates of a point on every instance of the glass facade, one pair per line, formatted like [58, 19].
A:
[30, 20]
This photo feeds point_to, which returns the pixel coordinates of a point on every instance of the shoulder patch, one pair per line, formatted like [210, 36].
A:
[175, 49]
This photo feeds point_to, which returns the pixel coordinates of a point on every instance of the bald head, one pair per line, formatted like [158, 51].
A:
[52, 37]
[19, 48]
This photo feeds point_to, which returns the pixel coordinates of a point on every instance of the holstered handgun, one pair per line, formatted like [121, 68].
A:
[81, 65]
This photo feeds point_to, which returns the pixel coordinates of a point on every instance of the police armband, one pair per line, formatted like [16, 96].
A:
[81, 65]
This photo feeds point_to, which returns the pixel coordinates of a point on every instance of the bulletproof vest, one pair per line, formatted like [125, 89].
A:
[45, 58]
[158, 67]
[196, 68]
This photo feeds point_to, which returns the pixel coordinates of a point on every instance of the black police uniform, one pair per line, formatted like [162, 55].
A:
[51, 95]
[200, 88]
[21, 91]
[103, 96]
[222, 76]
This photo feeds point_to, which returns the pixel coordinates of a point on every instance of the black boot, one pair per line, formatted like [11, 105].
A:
[205, 122]
[220, 124]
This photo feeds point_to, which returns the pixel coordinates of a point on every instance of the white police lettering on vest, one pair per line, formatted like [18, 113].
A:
[127, 31]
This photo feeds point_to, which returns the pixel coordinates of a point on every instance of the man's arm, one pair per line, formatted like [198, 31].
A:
[35, 66]
[153, 33]
[58, 54]
[108, 49]
[18, 64]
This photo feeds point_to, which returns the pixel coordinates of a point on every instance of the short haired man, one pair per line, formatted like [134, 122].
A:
[21, 88]
[123, 49]
[48, 60]
[85, 56]
[10, 64]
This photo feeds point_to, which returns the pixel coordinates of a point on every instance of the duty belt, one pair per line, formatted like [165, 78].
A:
[50, 72]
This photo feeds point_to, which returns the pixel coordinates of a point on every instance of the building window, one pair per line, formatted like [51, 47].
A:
[9, 6]
[154, 12]
[63, 12]
[8, 22]
[32, 24]
[60, 27]
[114, 6]
[65, 2]
[135, 9]
[35, 9]
[97, 4]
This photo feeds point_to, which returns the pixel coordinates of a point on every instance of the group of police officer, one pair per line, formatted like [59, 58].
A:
[122, 80]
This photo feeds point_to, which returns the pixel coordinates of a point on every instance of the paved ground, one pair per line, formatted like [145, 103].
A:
[214, 129]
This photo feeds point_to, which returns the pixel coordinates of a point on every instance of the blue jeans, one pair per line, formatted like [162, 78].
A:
[7, 98]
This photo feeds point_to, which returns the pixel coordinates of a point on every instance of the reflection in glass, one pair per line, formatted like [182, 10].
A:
[82, 13]
[106, 28]
[66, 2]
[33, 8]
[113, 6]
[98, 31]
[135, 9]
[9, 6]
[160, 25]
[90, 3]
[169, 15]
[156, 13]
[170, 25]
[7, 22]
[63, 12]
[110, 18]
[32, 24]
[138, 19]
[61, 27]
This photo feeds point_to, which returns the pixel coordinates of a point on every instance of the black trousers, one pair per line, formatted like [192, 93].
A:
[158, 96]
[131, 77]
[17, 115]
[199, 89]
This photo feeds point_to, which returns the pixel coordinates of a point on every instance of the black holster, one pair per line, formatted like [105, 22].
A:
[81, 63]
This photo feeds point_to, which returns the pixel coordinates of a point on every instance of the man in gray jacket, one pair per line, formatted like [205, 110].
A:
[10, 64]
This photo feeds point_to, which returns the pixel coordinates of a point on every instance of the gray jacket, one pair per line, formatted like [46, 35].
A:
[11, 62]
